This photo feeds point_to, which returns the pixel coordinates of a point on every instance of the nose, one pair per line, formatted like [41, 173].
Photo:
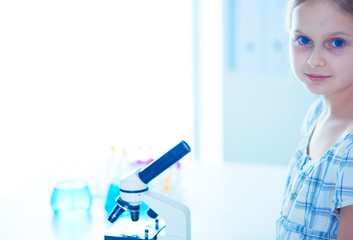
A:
[316, 58]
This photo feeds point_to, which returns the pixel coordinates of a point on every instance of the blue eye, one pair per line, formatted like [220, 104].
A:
[337, 43]
[304, 40]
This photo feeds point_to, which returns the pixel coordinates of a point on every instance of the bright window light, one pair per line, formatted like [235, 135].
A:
[79, 76]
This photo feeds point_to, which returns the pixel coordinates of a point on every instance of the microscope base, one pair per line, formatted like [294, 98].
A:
[125, 238]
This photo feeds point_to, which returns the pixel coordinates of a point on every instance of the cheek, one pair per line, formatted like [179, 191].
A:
[343, 71]
[342, 63]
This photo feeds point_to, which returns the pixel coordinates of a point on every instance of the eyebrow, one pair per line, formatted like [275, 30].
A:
[341, 33]
[333, 34]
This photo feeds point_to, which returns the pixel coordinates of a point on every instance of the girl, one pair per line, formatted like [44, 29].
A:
[318, 199]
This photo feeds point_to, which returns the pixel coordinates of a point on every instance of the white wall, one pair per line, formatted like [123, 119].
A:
[79, 76]
[209, 82]
[246, 97]
[263, 104]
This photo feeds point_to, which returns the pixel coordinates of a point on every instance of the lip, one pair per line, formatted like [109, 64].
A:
[317, 77]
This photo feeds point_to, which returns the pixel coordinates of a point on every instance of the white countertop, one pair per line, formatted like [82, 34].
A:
[227, 201]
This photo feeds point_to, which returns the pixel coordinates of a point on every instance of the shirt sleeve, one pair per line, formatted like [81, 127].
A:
[343, 194]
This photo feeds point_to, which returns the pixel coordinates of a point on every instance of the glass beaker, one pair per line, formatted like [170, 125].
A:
[71, 195]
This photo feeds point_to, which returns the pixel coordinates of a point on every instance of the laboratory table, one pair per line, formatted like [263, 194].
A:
[227, 201]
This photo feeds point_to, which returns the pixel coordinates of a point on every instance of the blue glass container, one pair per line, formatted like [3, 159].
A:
[71, 195]
[113, 193]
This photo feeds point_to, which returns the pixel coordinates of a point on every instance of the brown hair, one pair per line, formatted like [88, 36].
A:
[344, 5]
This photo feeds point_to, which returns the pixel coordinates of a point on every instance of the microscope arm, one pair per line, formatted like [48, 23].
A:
[174, 213]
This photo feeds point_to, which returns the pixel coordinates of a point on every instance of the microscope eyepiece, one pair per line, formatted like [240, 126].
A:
[161, 164]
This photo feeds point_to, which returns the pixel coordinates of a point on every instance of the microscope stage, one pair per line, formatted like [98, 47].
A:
[125, 229]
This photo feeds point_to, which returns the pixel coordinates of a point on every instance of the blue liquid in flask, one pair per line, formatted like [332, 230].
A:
[113, 193]
[71, 196]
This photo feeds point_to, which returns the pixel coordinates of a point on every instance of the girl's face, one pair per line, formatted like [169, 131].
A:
[321, 48]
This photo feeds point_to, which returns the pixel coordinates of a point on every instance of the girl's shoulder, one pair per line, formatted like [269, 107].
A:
[344, 149]
[312, 116]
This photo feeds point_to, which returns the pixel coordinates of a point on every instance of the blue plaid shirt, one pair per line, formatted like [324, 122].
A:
[316, 190]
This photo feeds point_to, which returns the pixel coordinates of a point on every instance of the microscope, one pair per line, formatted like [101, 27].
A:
[175, 217]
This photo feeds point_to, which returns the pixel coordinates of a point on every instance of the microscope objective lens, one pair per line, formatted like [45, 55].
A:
[135, 215]
[117, 211]
[151, 213]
